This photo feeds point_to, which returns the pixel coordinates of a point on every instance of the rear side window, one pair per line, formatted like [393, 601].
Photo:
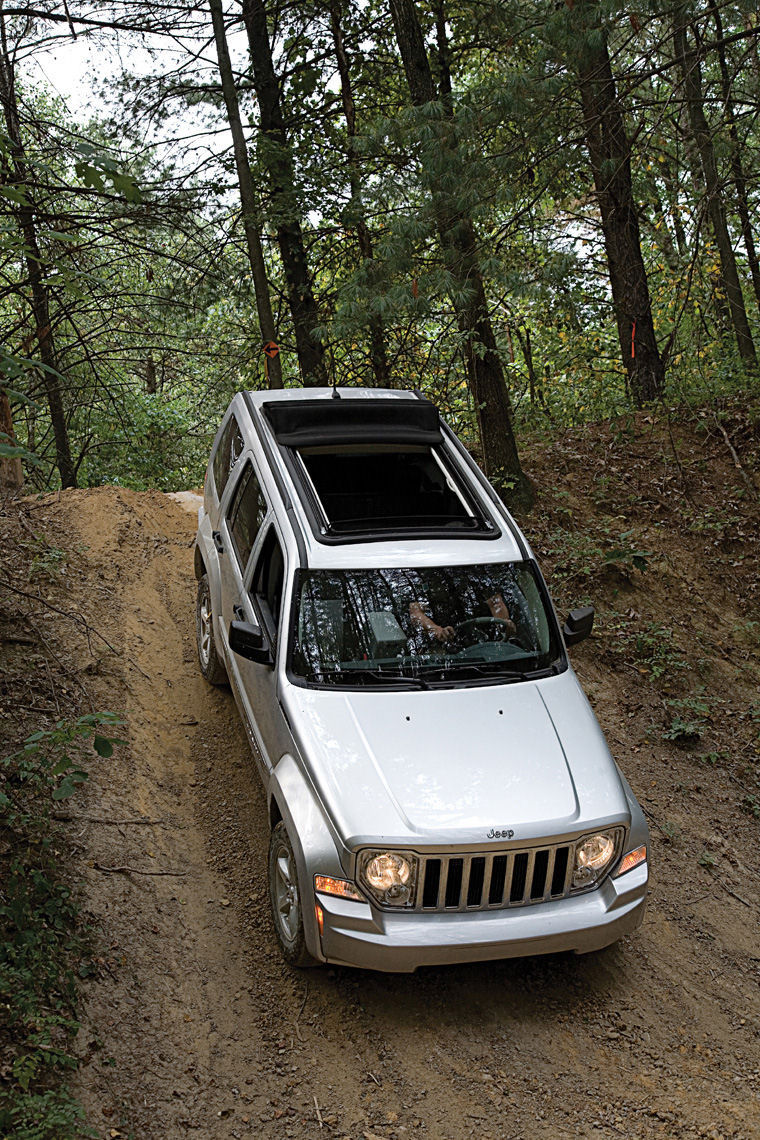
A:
[246, 514]
[227, 454]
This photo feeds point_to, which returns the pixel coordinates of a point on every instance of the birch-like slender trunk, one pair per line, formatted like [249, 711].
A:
[691, 81]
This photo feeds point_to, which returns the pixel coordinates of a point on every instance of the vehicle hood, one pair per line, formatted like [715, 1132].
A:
[453, 765]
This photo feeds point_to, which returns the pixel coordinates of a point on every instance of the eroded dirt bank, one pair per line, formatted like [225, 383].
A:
[197, 1027]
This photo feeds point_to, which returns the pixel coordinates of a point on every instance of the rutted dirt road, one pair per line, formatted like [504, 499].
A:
[196, 1026]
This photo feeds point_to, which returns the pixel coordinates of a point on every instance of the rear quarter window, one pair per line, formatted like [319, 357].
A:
[227, 454]
[246, 514]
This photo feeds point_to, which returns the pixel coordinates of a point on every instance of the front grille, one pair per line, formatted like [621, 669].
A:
[494, 881]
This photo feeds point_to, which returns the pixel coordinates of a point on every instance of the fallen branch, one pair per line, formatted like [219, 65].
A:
[737, 464]
[729, 891]
[303, 1007]
[678, 463]
[135, 871]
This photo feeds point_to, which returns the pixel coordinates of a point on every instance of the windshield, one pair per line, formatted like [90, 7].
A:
[428, 626]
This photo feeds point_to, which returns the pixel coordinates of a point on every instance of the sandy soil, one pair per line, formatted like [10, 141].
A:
[197, 1027]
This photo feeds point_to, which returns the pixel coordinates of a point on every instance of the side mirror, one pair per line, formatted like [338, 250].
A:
[247, 641]
[578, 626]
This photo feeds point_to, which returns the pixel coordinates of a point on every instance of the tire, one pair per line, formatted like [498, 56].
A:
[211, 664]
[285, 899]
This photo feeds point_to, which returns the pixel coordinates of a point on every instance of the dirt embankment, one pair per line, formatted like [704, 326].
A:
[196, 1027]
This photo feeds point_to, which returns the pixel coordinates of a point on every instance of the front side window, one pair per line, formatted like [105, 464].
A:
[227, 454]
[268, 581]
[434, 626]
[245, 514]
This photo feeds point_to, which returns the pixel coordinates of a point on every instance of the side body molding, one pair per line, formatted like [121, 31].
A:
[313, 843]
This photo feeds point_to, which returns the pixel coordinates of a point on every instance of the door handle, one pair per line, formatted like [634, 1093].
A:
[238, 613]
[217, 537]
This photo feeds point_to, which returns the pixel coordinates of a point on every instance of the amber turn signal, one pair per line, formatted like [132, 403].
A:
[340, 887]
[631, 860]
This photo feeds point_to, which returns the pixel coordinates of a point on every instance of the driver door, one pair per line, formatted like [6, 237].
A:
[243, 513]
[262, 604]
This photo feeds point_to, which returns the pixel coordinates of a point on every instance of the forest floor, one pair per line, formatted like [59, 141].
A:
[195, 1026]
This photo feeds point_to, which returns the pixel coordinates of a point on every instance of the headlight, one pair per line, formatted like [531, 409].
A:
[390, 876]
[593, 855]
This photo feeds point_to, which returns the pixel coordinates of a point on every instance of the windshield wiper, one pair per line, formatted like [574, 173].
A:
[455, 670]
[367, 674]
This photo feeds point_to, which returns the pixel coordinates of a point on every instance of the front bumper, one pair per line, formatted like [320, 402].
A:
[358, 934]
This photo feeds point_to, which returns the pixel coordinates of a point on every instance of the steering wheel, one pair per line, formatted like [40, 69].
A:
[484, 629]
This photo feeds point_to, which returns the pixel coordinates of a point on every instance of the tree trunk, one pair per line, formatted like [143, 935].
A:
[610, 156]
[534, 384]
[278, 163]
[670, 180]
[378, 354]
[458, 242]
[36, 269]
[737, 170]
[691, 78]
[660, 228]
[11, 469]
[151, 387]
[250, 216]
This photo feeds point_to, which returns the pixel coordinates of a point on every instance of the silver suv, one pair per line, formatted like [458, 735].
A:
[439, 789]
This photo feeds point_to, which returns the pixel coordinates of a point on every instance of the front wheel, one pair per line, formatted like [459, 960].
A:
[285, 899]
[211, 665]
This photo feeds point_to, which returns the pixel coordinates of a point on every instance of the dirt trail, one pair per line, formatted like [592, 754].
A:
[196, 1025]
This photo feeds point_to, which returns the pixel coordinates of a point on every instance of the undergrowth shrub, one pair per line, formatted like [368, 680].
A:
[43, 949]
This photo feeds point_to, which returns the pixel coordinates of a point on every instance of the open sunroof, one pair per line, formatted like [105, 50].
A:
[376, 471]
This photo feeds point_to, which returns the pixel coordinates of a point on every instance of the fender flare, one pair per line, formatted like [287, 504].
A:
[639, 833]
[313, 843]
[206, 560]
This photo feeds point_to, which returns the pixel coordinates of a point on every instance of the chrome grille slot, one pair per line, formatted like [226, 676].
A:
[454, 883]
[519, 875]
[494, 881]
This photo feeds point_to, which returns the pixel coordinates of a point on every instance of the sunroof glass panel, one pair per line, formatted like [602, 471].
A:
[386, 487]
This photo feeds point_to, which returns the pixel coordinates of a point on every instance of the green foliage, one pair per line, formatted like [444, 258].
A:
[94, 166]
[651, 647]
[751, 804]
[151, 277]
[154, 442]
[48, 562]
[655, 652]
[9, 449]
[692, 715]
[49, 765]
[627, 554]
[581, 555]
[43, 950]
